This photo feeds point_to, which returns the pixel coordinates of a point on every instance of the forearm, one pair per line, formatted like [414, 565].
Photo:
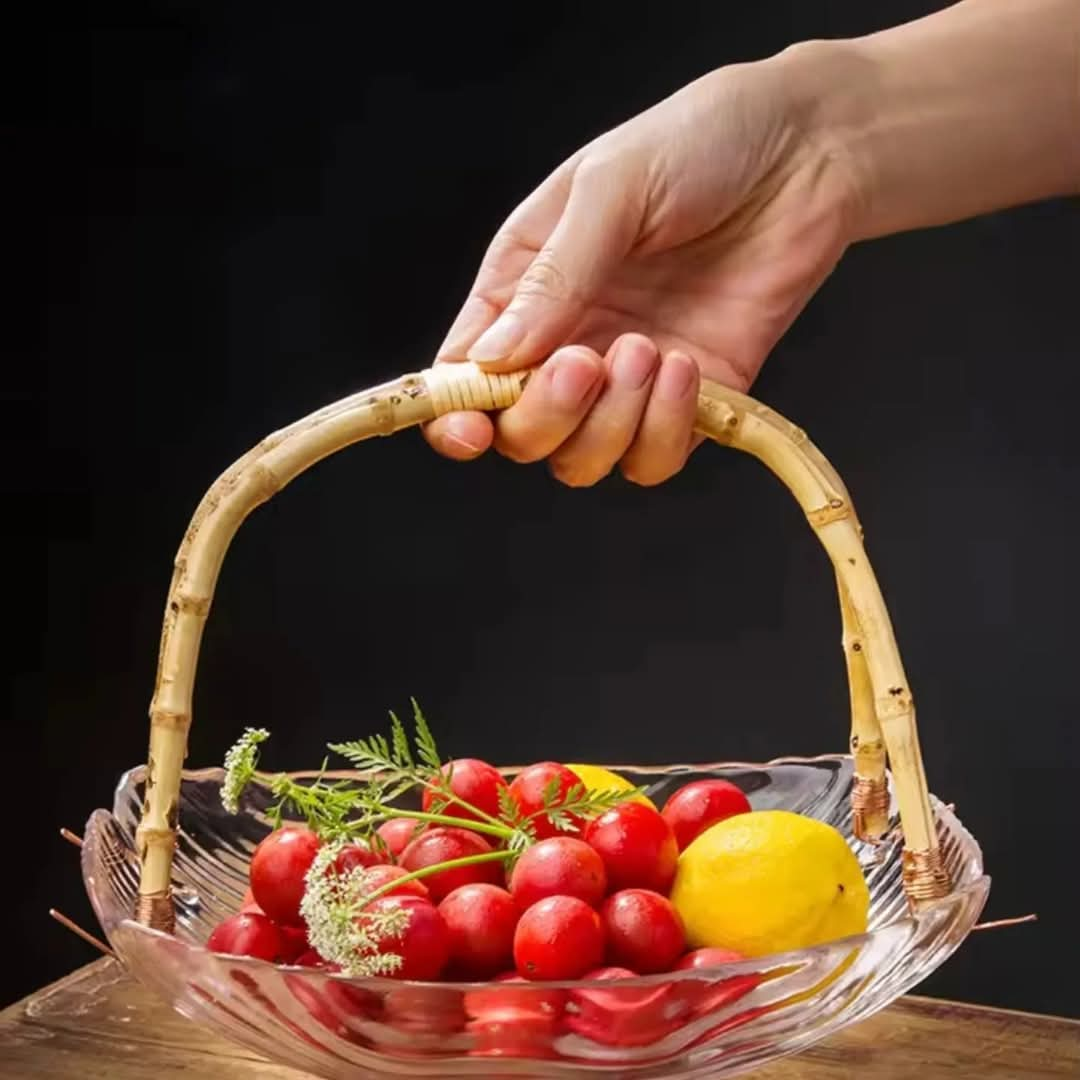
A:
[969, 110]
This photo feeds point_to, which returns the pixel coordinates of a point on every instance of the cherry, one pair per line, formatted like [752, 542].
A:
[481, 921]
[474, 781]
[422, 1010]
[559, 866]
[519, 1020]
[378, 876]
[711, 996]
[515, 994]
[644, 931]
[625, 1015]
[357, 854]
[397, 833]
[701, 804]
[309, 959]
[442, 845]
[637, 845]
[529, 786]
[246, 934]
[559, 937]
[277, 872]
[248, 902]
[424, 944]
[294, 943]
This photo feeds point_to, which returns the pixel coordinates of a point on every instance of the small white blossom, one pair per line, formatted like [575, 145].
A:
[240, 764]
[339, 930]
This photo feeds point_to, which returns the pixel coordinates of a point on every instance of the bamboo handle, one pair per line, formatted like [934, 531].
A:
[881, 698]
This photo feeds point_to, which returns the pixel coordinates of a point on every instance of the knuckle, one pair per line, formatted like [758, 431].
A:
[545, 278]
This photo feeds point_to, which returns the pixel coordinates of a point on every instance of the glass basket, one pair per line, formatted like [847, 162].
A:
[703, 1023]
[167, 863]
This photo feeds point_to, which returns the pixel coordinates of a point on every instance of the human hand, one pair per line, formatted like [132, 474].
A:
[688, 239]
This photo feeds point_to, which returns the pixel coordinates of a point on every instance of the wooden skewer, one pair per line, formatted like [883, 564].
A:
[89, 938]
[71, 838]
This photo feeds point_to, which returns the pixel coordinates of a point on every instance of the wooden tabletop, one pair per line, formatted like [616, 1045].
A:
[98, 1025]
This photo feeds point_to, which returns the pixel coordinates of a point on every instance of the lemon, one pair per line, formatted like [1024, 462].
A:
[596, 778]
[769, 881]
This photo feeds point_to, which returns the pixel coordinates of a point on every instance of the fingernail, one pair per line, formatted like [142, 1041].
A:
[677, 376]
[634, 362]
[453, 438]
[499, 340]
[572, 381]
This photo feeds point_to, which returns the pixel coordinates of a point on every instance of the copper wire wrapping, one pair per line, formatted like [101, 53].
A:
[869, 808]
[157, 912]
[924, 874]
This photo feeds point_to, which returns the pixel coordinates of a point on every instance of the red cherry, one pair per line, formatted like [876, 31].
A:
[637, 845]
[317, 1008]
[294, 943]
[248, 902]
[277, 872]
[246, 934]
[625, 1015]
[442, 845]
[528, 789]
[560, 937]
[644, 931]
[481, 921]
[378, 876]
[697, 806]
[309, 959]
[474, 781]
[559, 866]
[521, 1022]
[422, 1010]
[708, 958]
[424, 944]
[352, 1000]
[706, 997]
[397, 833]
[515, 994]
[357, 854]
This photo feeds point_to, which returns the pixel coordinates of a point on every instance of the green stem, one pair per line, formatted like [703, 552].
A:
[437, 868]
[501, 831]
[451, 797]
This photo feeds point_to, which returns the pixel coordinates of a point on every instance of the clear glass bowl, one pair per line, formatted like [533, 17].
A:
[703, 1023]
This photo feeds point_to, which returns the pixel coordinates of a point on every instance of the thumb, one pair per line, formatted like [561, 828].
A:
[597, 228]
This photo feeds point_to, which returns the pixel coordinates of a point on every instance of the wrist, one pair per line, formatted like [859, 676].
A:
[973, 109]
[828, 86]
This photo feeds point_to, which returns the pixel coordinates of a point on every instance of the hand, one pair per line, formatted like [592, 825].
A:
[686, 240]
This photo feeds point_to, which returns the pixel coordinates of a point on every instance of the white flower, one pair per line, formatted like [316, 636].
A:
[339, 929]
[240, 764]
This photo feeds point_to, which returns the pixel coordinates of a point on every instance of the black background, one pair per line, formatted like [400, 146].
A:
[251, 210]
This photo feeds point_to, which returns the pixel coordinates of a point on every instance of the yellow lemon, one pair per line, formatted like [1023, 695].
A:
[769, 881]
[596, 778]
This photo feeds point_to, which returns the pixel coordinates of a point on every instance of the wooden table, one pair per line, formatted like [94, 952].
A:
[97, 1025]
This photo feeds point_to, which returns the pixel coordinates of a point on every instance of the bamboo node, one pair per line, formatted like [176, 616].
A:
[924, 874]
[833, 510]
[171, 719]
[156, 911]
[190, 605]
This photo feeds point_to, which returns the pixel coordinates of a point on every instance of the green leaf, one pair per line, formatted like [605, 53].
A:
[426, 750]
[402, 755]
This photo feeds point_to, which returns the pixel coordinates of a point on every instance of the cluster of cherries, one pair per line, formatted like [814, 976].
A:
[589, 904]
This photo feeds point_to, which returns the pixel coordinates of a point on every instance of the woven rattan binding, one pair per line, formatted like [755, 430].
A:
[883, 713]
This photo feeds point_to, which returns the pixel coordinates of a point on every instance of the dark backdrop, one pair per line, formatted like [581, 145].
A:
[252, 213]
